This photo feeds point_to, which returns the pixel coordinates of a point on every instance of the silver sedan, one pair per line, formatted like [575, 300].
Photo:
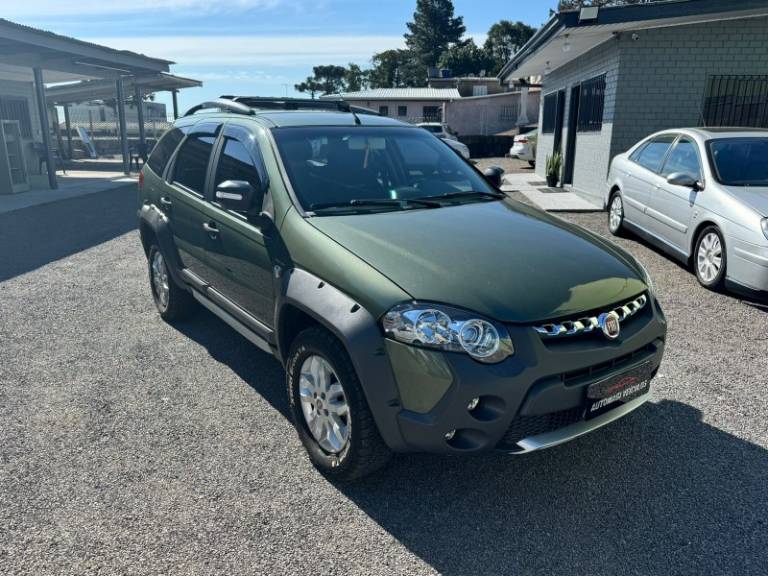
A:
[701, 195]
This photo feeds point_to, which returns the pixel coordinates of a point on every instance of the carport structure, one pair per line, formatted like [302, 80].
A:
[38, 59]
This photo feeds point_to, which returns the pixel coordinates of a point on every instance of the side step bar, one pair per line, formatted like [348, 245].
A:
[241, 328]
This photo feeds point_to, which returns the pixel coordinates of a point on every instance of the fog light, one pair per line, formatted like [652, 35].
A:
[450, 435]
[473, 404]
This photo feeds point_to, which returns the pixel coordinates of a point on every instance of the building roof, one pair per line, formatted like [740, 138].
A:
[63, 58]
[86, 90]
[589, 27]
[398, 94]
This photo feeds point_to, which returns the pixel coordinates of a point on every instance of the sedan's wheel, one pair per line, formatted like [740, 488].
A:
[329, 408]
[616, 214]
[173, 302]
[710, 259]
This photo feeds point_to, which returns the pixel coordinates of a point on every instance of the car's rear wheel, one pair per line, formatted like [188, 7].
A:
[172, 302]
[329, 409]
[616, 214]
[710, 259]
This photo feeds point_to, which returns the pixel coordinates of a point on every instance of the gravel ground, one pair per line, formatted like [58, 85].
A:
[133, 447]
[510, 165]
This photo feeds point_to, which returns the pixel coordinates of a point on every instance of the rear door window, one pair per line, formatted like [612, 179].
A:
[653, 154]
[192, 162]
[164, 150]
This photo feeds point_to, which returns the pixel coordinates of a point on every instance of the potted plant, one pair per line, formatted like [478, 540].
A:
[554, 163]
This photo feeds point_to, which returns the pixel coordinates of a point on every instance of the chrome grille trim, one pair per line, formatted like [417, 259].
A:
[590, 323]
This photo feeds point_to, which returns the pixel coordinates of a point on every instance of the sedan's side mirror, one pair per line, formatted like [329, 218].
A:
[493, 174]
[683, 179]
[239, 195]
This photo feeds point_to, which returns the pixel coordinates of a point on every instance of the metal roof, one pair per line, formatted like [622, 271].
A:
[87, 90]
[545, 47]
[398, 94]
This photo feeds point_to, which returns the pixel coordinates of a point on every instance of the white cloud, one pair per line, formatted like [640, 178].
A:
[239, 51]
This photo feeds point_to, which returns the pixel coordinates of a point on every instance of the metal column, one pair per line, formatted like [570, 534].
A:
[121, 120]
[68, 127]
[42, 110]
[138, 98]
[175, 94]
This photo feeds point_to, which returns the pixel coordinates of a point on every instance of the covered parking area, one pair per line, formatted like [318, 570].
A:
[40, 70]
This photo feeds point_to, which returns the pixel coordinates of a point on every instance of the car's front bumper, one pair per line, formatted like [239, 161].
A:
[748, 264]
[532, 400]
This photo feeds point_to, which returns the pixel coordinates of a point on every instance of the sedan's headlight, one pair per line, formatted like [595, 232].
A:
[450, 329]
[764, 226]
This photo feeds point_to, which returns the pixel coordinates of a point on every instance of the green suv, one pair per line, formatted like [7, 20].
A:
[414, 306]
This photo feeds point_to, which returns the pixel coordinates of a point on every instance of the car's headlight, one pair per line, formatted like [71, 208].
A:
[764, 226]
[449, 329]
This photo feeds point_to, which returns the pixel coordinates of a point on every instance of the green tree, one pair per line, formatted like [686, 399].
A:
[396, 69]
[504, 39]
[355, 78]
[466, 59]
[328, 79]
[433, 29]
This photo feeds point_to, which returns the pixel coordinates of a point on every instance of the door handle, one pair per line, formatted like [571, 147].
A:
[165, 201]
[211, 228]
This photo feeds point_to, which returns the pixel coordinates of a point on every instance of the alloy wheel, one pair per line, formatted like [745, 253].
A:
[324, 404]
[709, 258]
[616, 214]
[160, 279]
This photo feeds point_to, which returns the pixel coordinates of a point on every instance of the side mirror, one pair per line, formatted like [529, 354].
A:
[683, 179]
[239, 195]
[493, 174]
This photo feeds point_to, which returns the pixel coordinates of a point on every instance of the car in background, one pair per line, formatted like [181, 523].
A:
[700, 194]
[442, 131]
[524, 147]
[461, 149]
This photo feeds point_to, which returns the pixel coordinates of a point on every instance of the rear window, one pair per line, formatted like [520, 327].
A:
[164, 149]
[192, 162]
[740, 161]
[653, 153]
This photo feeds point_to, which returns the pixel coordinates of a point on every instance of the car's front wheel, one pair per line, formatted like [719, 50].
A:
[710, 259]
[329, 409]
[616, 214]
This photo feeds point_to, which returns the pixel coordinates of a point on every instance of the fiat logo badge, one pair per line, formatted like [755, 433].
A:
[609, 324]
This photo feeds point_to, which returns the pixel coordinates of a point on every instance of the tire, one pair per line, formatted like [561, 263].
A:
[616, 214]
[362, 450]
[172, 301]
[710, 259]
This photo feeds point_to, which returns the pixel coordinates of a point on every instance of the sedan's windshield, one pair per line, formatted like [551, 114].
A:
[740, 161]
[336, 169]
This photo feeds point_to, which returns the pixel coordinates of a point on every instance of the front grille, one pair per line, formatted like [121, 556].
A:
[525, 426]
[576, 377]
[591, 323]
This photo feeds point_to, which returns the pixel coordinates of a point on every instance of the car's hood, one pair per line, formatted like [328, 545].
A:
[505, 260]
[756, 197]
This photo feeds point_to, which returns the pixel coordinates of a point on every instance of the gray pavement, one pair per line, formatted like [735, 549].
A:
[130, 446]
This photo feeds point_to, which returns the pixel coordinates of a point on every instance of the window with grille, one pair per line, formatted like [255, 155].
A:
[591, 103]
[432, 113]
[549, 113]
[736, 101]
[17, 109]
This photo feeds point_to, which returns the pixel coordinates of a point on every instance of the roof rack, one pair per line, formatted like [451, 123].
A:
[222, 104]
[267, 103]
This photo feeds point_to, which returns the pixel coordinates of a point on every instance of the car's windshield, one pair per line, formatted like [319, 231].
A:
[360, 166]
[434, 128]
[740, 161]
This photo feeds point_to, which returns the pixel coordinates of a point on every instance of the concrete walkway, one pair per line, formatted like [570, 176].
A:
[74, 184]
[530, 184]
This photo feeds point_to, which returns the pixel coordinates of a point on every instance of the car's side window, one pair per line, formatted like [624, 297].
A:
[653, 153]
[192, 162]
[164, 150]
[683, 158]
[236, 163]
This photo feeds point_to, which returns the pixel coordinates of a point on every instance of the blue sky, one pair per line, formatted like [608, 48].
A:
[258, 47]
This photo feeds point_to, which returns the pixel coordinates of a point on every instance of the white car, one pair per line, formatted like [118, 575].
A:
[701, 195]
[438, 129]
[524, 147]
[462, 149]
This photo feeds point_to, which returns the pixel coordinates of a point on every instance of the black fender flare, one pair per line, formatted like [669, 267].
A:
[359, 332]
[152, 217]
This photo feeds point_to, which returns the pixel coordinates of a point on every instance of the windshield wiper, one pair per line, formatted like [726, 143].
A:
[465, 194]
[385, 202]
